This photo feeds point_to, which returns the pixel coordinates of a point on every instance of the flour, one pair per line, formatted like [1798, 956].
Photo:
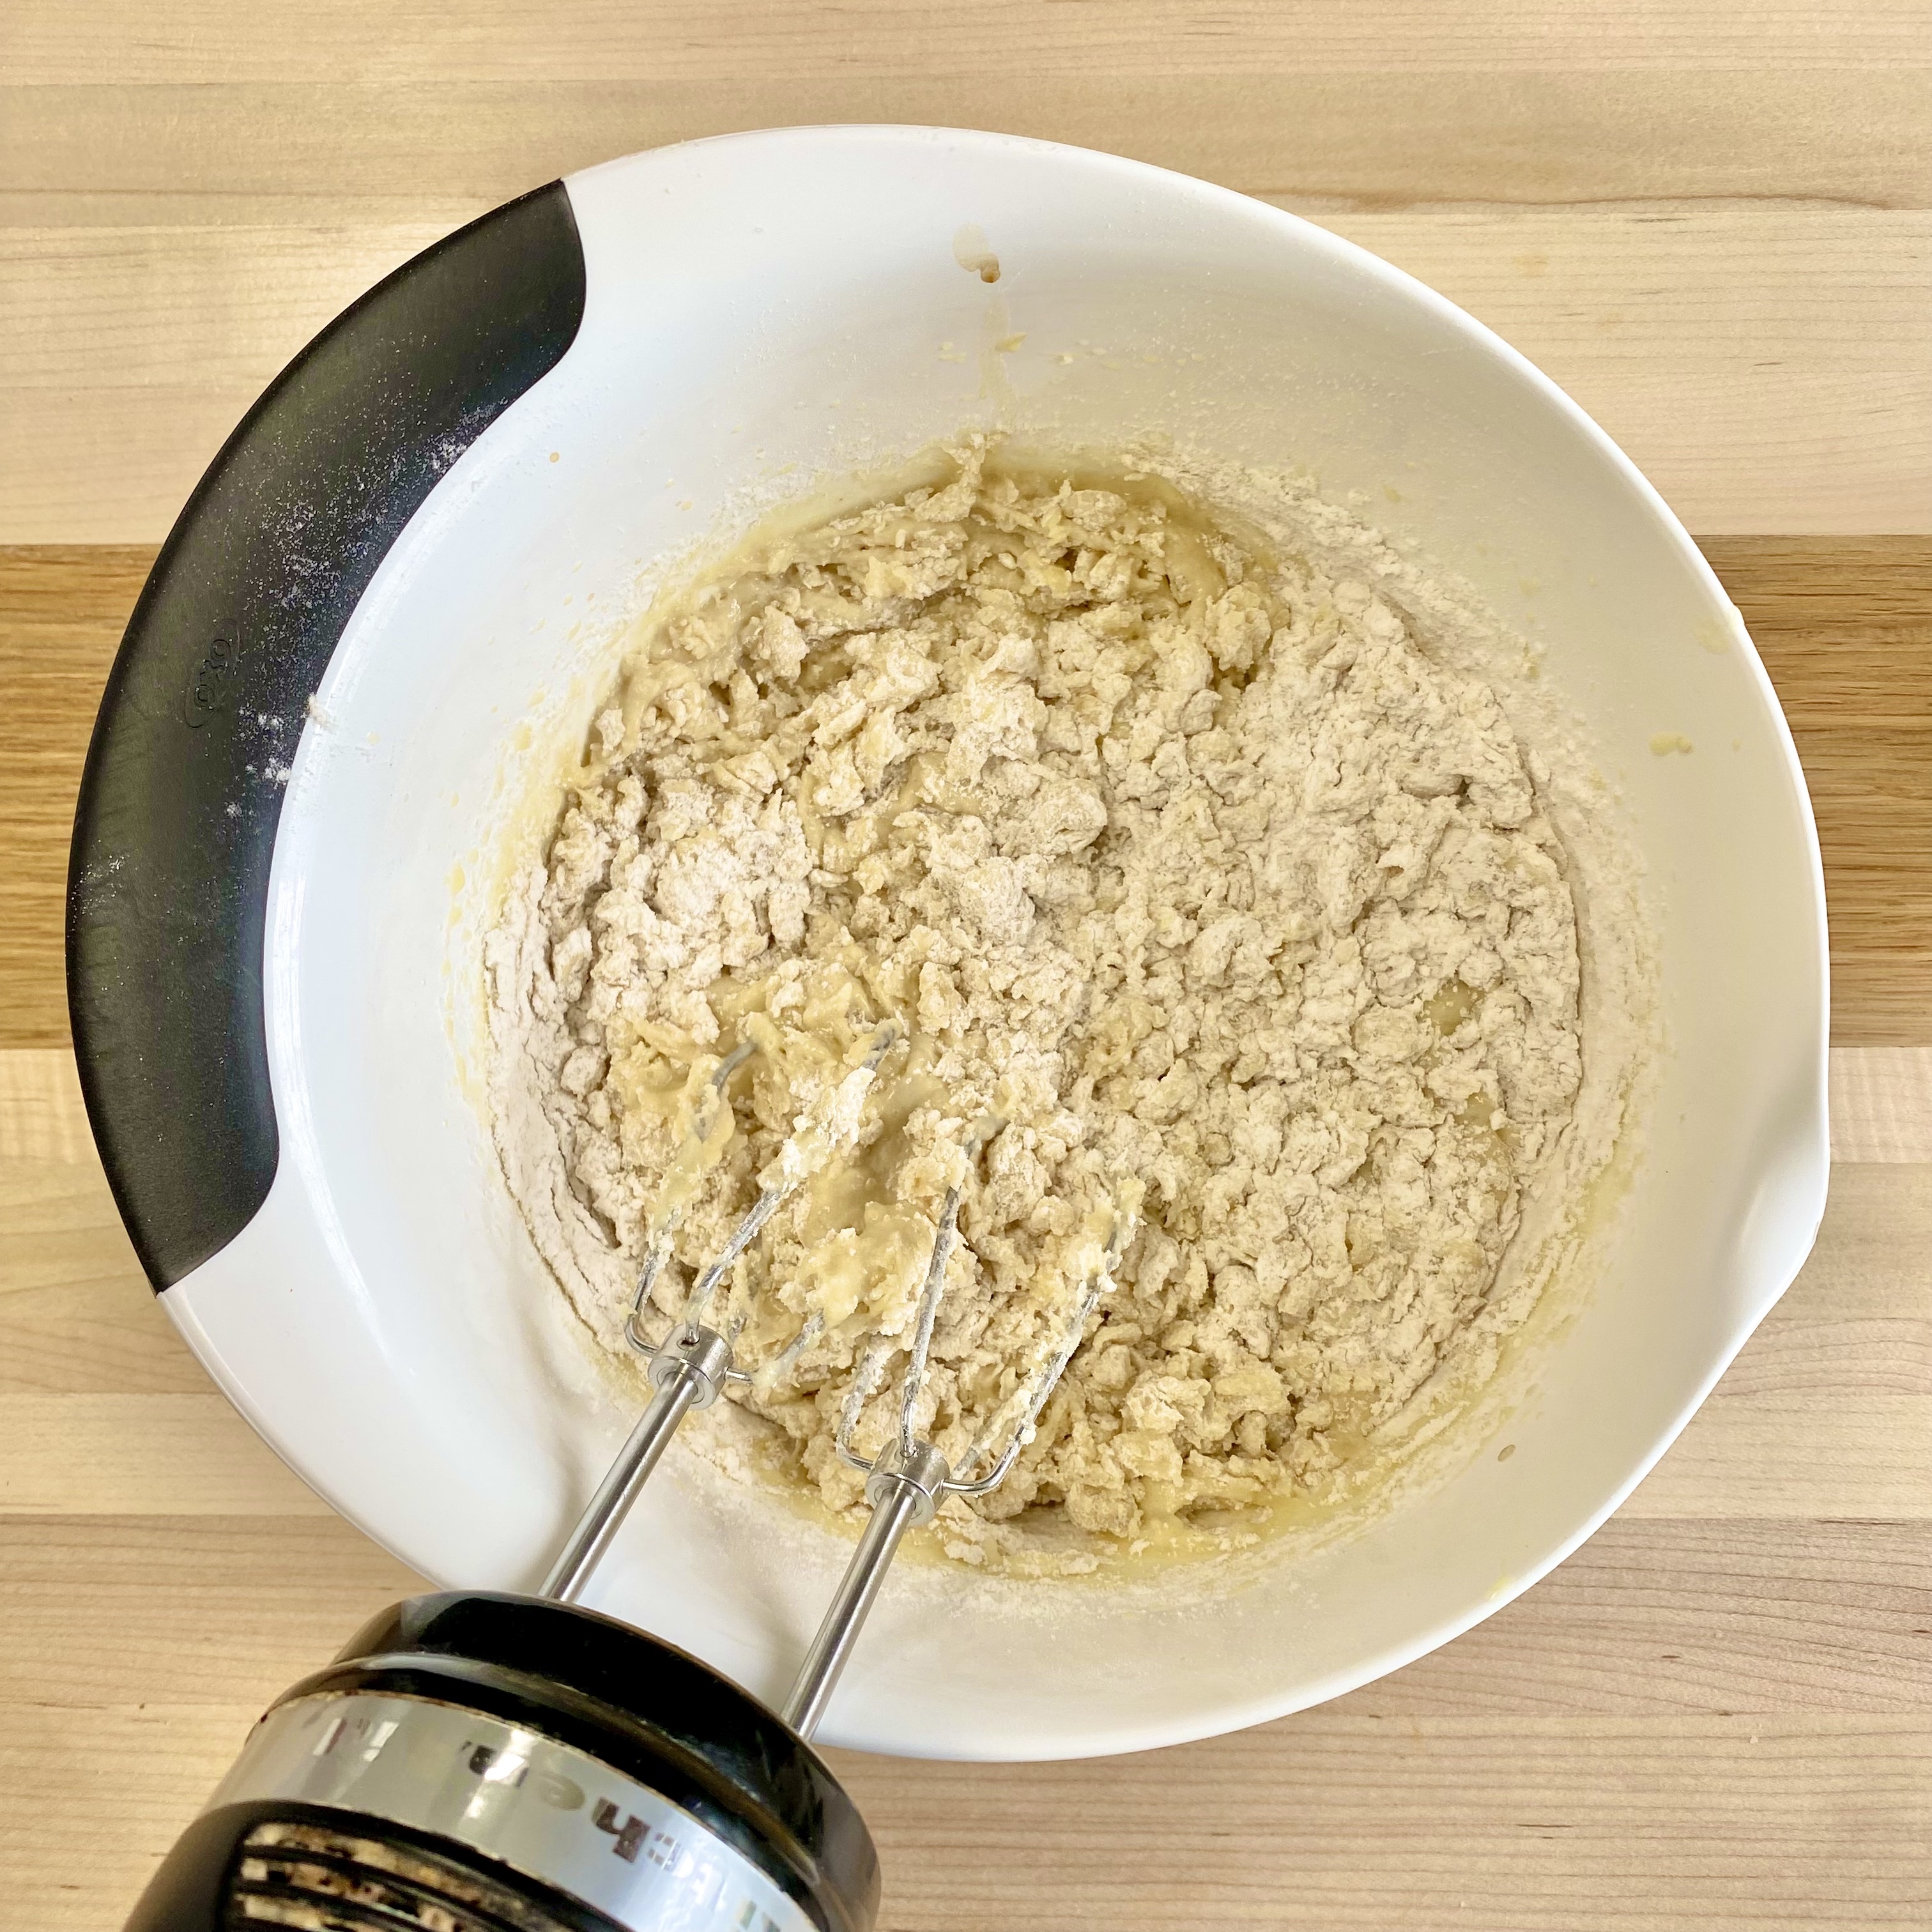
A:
[1178, 853]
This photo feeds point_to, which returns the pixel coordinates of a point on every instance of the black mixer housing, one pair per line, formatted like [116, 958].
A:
[584, 1714]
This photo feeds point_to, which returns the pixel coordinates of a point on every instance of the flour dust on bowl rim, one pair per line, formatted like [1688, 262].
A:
[421, 539]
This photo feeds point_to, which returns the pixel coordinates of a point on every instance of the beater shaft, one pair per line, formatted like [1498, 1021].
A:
[686, 1372]
[904, 1492]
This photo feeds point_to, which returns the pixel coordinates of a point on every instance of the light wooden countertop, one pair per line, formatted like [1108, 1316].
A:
[1713, 224]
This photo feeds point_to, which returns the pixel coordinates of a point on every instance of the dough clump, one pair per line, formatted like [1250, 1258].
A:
[1182, 860]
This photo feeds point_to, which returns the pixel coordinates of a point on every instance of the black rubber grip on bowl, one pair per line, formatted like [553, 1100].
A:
[167, 885]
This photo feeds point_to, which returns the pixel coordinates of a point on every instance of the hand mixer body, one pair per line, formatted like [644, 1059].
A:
[487, 1763]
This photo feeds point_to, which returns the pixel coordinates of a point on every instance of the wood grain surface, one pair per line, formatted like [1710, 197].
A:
[1844, 625]
[1713, 224]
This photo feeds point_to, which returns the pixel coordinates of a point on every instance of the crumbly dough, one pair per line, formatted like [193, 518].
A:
[1185, 861]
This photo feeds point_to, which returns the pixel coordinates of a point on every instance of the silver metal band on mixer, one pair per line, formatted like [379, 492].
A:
[907, 1480]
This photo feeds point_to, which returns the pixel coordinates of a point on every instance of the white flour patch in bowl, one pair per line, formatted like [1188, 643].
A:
[1198, 862]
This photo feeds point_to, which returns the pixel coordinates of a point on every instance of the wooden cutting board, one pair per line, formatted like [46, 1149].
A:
[1714, 225]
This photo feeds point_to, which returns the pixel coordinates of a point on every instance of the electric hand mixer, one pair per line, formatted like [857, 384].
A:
[485, 1762]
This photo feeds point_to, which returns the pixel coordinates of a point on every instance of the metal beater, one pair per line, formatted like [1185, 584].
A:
[483, 1762]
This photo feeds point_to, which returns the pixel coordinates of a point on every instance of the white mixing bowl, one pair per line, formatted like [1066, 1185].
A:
[758, 313]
